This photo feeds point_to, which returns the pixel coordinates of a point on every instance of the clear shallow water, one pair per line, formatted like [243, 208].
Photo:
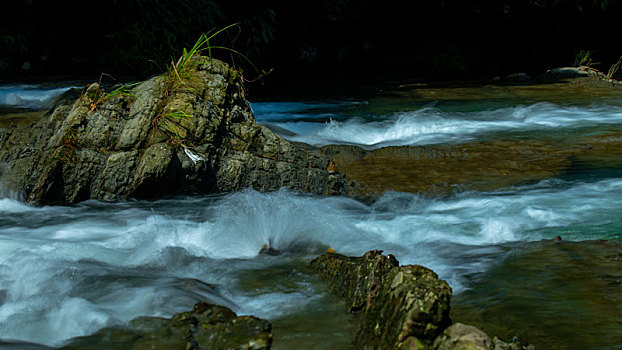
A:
[70, 271]
[561, 295]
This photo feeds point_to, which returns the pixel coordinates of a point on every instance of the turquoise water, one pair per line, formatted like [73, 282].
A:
[67, 272]
[356, 124]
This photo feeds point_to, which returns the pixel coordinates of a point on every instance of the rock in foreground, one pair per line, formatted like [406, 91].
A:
[399, 307]
[207, 327]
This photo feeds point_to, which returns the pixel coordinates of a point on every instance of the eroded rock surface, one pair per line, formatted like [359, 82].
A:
[400, 307]
[207, 327]
[195, 136]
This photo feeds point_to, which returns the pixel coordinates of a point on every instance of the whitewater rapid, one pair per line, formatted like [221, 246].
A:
[69, 271]
[349, 123]
[30, 96]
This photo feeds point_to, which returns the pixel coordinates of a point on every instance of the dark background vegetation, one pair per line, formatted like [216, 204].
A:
[309, 39]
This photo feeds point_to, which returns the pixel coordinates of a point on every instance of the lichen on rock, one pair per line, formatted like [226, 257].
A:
[399, 307]
[206, 327]
[136, 145]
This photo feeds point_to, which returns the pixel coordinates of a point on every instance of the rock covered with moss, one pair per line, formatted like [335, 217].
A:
[399, 307]
[207, 327]
[192, 132]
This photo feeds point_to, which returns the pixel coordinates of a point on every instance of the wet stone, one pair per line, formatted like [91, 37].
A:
[396, 306]
[206, 327]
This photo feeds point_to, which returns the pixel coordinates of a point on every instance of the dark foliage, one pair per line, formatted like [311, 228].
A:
[320, 38]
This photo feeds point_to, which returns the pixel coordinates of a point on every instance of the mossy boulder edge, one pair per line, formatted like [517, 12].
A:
[400, 307]
[206, 327]
[154, 140]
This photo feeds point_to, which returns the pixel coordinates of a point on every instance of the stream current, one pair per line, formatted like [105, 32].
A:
[68, 272]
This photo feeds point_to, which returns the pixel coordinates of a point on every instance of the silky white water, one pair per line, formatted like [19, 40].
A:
[69, 271]
[350, 123]
[29, 95]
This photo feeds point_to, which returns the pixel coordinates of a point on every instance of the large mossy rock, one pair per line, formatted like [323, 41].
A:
[169, 136]
[398, 307]
[207, 327]
[164, 137]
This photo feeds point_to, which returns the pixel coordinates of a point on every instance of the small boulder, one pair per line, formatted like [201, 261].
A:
[567, 72]
[206, 327]
[462, 337]
[515, 344]
[398, 307]
[517, 77]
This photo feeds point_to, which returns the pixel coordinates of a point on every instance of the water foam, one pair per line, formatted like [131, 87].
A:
[8, 205]
[66, 272]
[29, 96]
[433, 125]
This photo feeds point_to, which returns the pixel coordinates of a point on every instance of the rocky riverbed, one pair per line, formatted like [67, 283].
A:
[199, 136]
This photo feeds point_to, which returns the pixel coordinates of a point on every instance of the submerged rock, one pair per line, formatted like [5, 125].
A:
[161, 137]
[479, 165]
[269, 250]
[207, 327]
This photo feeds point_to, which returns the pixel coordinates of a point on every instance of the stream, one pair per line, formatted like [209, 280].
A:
[67, 272]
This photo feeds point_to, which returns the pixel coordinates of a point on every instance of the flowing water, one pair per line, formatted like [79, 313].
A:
[67, 272]
[31, 96]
